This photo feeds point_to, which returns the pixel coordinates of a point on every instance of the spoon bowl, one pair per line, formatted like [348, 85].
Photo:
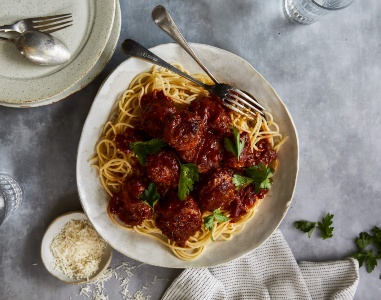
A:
[40, 48]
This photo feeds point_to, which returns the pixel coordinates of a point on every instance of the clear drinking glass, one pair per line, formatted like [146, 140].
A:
[309, 11]
[10, 197]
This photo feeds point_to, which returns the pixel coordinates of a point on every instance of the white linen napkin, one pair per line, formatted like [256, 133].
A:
[269, 272]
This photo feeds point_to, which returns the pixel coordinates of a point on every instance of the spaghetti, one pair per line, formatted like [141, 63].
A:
[116, 166]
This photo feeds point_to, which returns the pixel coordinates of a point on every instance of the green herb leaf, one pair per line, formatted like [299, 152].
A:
[363, 240]
[371, 261]
[150, 195]
[188, 176]
[377, 237]
[142, 149]
[360, 256]
[209, 220]
[325, 227]
[260, 175]
[237, 146]
[305, 226]
[241, 181]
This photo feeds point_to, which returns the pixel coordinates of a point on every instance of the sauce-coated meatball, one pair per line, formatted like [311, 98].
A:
[164, 168]
[157, 108]
[216, 189]
[178, 220]
[183, 130]
[207, 154]
[127, 205]
[213, 114]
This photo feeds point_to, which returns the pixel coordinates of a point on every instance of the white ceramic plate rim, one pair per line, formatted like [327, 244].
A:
[53, 84]
[92, 74]
[227, 67]
[47, 256]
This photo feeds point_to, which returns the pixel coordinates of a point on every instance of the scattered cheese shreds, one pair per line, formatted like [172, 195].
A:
[77, 249]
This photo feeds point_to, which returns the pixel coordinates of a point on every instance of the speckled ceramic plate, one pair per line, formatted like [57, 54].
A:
[227, 67]
[94, 72]
[22, 82]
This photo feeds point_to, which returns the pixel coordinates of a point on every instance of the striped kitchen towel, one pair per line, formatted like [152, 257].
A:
[269, 272]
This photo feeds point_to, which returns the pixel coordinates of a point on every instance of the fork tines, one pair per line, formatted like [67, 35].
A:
[51, 24]
[243, 103]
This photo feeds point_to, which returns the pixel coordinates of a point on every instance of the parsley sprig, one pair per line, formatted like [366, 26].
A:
[216, 216]
[366, 243]
[259, 175]
[150, 195]
[188, 176]
[236, 146]
[142, 149]
[324, 226]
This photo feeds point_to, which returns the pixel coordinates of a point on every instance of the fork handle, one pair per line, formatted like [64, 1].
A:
[162, 18]
[6, 28]
[132, 48]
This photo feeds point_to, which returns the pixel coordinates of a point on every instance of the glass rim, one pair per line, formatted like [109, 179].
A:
[332, 8]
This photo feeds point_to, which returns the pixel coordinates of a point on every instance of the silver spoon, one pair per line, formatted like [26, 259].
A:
[164, 21]
[40, 48]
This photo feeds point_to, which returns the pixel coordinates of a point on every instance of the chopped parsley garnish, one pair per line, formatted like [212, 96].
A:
[216, 216]
[324, 226]
[365, 255]
[305, 226]
[188, 176]
[259, 175]
[142, 149]
[150, 195]
[236, 146]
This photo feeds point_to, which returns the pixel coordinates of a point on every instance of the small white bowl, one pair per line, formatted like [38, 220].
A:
[47, 256]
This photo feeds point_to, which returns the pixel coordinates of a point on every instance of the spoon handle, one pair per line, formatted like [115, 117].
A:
[132, 48]
[162, 18]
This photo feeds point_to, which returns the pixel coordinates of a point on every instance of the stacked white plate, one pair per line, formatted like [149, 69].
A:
[91, 40]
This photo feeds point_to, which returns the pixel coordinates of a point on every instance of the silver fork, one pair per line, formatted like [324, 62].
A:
[236, 99]
[223, 91]
[47, 24]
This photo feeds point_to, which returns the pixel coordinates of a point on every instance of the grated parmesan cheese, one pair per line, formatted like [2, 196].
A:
[77, 249]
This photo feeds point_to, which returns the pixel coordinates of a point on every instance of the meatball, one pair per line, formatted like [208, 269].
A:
[127, 205]
[207, 155]
[213, 114]
[216, 189]
[164, 168]
[244, 200]
[156, 110]
[178, 220]
[265, 153]
[130, 135]
[183, 130]
[246, 159]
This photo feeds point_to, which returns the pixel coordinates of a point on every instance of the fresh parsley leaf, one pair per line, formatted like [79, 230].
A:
[142, 149]
[305, 226]
[236, 146]
[209, 220]
[260, 175]
[371, 261]
[241, 181]
[150, 195]
[377, 237]
[360, 256]
[363, 240]
[188, 176]
[325, 227]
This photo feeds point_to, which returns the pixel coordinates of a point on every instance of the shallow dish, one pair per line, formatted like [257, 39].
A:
[22, 82]
[228, 68]
[94, 72]
[47, 257]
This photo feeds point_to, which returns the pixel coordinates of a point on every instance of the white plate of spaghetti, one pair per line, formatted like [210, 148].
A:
[170, 177]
